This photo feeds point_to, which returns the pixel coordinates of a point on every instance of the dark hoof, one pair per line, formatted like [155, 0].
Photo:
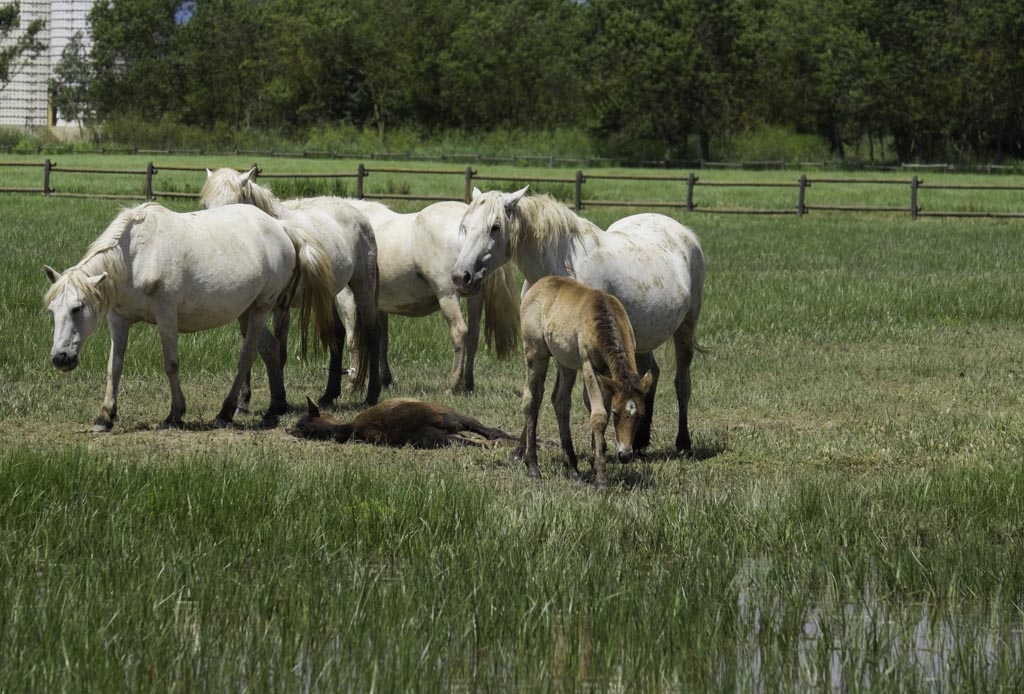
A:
[687, 454]
[222, 423]
[326, 401]
[172, 423]
[269, 421]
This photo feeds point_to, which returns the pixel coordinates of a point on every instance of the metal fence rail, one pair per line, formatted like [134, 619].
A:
[799, 206]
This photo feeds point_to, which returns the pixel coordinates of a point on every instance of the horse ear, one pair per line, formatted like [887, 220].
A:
[51, 274]
[646, 382]
[311, 407]
[248, 176]
[96, 279]
[476, 193]
[208, 173]
[510, 200]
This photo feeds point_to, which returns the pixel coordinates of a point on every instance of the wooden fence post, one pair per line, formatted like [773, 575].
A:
[360, 175]
[691, 181]
[47, 166]
[150, 170]
[914, 183]
[580, 180]
[467, 195]
[800, 209]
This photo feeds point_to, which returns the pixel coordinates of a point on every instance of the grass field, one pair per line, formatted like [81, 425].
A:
[853, 520]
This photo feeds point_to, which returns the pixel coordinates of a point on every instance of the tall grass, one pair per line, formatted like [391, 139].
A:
[853, 519]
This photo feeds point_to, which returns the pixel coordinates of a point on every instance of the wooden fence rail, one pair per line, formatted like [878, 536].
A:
[471, 177]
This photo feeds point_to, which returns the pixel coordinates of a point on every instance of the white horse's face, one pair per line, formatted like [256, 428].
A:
[74, 316]
[484, 235]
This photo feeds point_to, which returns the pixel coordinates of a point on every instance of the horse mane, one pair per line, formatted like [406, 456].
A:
[617, 353]
[225, 184]
[262, 197]
[103, 255]
[544, 221]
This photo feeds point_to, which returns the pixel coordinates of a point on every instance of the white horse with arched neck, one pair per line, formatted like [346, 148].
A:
[653, 264]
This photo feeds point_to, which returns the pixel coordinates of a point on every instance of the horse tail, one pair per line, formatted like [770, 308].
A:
[501, 311]
[316, 279]
[367, 328]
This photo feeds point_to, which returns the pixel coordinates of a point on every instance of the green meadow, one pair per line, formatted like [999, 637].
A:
[853, 520]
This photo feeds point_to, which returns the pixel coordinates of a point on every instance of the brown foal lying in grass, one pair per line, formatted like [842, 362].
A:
[400, 422]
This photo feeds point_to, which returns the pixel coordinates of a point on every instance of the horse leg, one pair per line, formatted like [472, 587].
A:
[561, 398]
[255, 325]
[642, 439]
[167, 325]
[346, 305]
[598, 423]
[245, 394]
[115, 365]
[386, 379]
[684, 345]
[457, 329]
[474, 314]
[533, 396]
[334, 367]
[272, 354]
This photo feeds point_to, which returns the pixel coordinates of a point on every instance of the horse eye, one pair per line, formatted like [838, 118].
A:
[76, 310]
[496, 229]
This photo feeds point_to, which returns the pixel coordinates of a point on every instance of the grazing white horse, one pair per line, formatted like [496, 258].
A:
[348, 238]
[187, 272]
[415, 255]
[651, 263]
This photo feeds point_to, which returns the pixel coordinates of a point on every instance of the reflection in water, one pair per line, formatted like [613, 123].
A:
[869, 644]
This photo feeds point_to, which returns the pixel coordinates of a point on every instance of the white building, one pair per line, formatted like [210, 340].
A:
[24, 102]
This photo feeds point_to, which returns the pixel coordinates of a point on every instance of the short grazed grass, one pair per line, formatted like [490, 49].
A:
[853, 519]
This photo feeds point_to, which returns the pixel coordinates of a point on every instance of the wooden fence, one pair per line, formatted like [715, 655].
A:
[799, 189]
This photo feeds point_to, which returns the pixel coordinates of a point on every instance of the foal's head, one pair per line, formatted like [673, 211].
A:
[314, 425]
[628, 405]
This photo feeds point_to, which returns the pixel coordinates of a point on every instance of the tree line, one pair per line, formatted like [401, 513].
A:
[928, 79]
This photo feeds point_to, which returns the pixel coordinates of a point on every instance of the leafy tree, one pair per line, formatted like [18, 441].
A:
[137, 65]
[18, 49]
[69, 87]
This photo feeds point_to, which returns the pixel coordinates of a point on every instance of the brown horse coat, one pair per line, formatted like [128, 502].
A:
[399, 422]
[587, 330]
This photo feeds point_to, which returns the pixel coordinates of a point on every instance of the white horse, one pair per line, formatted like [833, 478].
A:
[650, 262]
[415, 255]
[348, 238]
[185, 273]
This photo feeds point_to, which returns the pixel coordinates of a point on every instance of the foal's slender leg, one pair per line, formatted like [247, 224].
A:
[452, 312]
[167, 325]
[598, 423]
[115, 366]
[561, 398]
[643, 430]
[533, 396]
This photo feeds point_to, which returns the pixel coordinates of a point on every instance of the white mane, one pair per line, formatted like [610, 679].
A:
[541, 221]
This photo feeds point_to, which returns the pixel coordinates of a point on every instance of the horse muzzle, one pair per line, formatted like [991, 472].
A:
[625, 455]
[466, 284]
[63, 361]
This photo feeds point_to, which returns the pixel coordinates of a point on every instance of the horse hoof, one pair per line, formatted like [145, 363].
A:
[687, 454]
[221, 423]
[269, 421]
[101, 427]
[172, 423]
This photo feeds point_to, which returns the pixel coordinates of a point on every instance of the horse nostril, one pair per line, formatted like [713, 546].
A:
[461, 280]
[625, 456]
